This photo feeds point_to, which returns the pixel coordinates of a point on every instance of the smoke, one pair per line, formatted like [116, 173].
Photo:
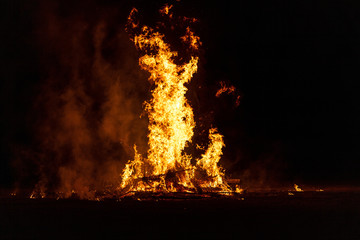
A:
[86, 117]
[260, 164]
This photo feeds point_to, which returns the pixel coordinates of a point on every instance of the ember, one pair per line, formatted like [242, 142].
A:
[229, 90]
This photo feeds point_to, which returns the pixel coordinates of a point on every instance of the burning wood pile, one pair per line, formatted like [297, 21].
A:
[167, 167]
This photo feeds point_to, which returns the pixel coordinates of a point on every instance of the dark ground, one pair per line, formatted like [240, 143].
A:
[309, 215]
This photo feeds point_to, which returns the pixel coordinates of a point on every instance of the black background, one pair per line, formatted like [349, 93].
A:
[294, 63]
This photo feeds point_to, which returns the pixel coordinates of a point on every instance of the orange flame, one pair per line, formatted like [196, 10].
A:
[166, 9]
[297, 188]
[171, 124]
[229, 90]
[194, 41]
[225, 89]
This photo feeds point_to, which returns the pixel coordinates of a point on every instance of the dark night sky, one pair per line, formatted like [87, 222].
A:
[294, 63]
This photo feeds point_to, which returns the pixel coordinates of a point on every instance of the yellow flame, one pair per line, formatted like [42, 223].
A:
[171, 123]
[238, 189]
[297, 188]
[210, 159]
[133, 168]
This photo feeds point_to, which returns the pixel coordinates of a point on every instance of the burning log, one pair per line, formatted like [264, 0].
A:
[169, 175]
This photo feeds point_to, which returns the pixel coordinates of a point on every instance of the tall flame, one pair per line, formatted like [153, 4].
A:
[171, 124]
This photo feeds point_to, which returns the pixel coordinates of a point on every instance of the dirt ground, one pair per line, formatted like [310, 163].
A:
[314, 215]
